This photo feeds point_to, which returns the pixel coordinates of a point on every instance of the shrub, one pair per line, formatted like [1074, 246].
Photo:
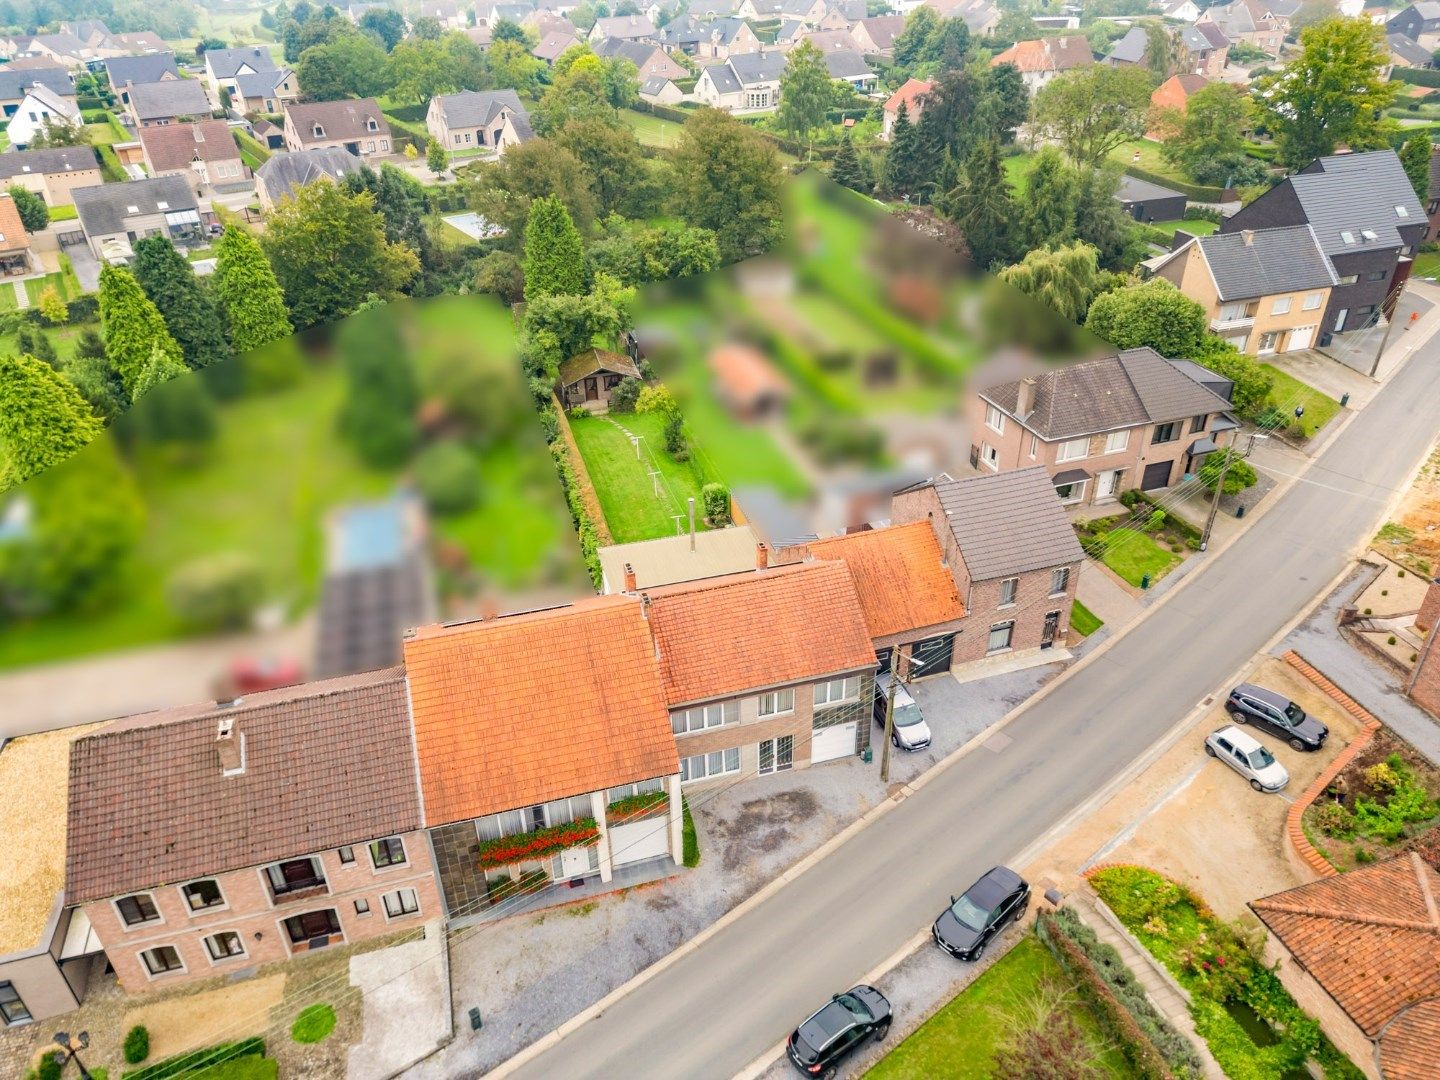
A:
[185, 1064]
[1130, 497]
[313, 1023]
[1362, 855]
[448, 477]
[717, 503]
[1334, 820]
[47, 1068]
[219, 592]
[83, 308]
[1390, 640]
[137, 1045]
[656, 399]
[624, 397]
[52, 308]
[675, 436]
[1155, 521]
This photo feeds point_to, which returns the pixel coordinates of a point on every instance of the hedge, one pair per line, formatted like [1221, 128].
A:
[1416, 76]
[181, 1064]
[1198, 192]
[110, 165]
[580, 495]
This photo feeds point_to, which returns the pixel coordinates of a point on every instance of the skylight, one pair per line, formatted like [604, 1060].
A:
[1369, 234]
[1401, 211]
[1347, 236]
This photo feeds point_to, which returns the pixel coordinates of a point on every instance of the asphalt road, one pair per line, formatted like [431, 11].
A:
[715, 1010]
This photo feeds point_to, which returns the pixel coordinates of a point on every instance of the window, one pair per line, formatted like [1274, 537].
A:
[1197, 424]
[1000, 636]
[12, 1009]
[1059, 580]
[312, 925]
[776, 755]
[704, 766]
[1377, 275]
[1349, 279]
[362, 906]
[369, 146]
[371, 125]
[994, 419]
[1166, 433]
[204, 894]
[162, 960]
[1347, 237]
[563, 811]
[1073, 450]
[625, 791]
[704, 716]
[1281, 306]
[1117, 441]
[224, 945]
[384, 144]
[469, 137]
[294, 875]
[457, 138]
[990, 456]
[837, 690]
[777, 702]
[1312, 301]
[1008, 589]
[1400, 211]
[387, 852]
[400, 903]
[318, 131]
[347, 856]
[1034, 443]
[137, 909]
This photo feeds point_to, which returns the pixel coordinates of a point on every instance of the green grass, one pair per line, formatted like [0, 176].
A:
[1197, 227]
[313, 1023]
[690, 839]
[1017, 169]
[1427, 264]
[1084, 621]
[1289, 391]
[64, 281]
[1132, 555]
[652, 130]
[1151, 160]
[960, 1040]
[63, 213]
[8, 300]
[247, 1067]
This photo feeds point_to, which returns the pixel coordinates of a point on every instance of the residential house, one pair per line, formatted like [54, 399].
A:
[670, 560]
[1129, 50]
[264, 91]
[849, 67]
[1246, 20]
[15, 84]
[529, 770]
[449, 14]
[488, 13]
[1408, 53]
[1367, 221]
[1129, 420]
[63, 49]
[624, 27]
[552, 45]
[271, 136]
[1013, 561]
[1175, 93]
[1264, 292]
[40, 107]
[52, 173]
[224, 66]
[912, 96]
[481, 36]
[1199, 51]
[214, 838]
[205, 153]
[587, 379]
[876, 36]
[649, 59]
[1358, 952]
[355, 125]
[760, 10]
[140, 42]
[149, 68]
[726, 37]
[1147, 202]
[285, 171]
[114, 216]
[1420, 22]
[1183, 11]
[170, 101]
[658, 90]
[826, 40]
[548, 22]
[981, 16]
[746, 82]
[682, 34]
[1041, 61]
[15, 257]
[1432, 197]
[711, 9]
[488, 120]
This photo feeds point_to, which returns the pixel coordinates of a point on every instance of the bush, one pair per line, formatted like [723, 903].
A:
[313, 1023]
[137, 1045]
[656, 399]
[219, 592]
[448, 477]
[1129, 498]
[47, 1068]
[1334, 820]
[182, 1064]
[675, 436]
[717, 503]
[624, 397]
[52, 309]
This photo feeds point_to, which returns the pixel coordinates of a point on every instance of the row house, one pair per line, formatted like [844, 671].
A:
[357, 126]
[51, 173]
[1204, 49]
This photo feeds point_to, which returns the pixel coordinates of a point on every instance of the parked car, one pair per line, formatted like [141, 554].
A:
[1247, 756]
[1277, 714]
[910, 731]
[833, 1033]
[964, 928]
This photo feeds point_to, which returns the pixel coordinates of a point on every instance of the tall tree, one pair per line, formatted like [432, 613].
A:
[1047, 216]
[190, 313]
[351, 66]
[381, 390]
[806, 91]
[910, 44]
[1067, 278]
[611, 154]
[1007, 101]
[43, 419]
[34, 214]
[579, 89]
[1161, 50]
[728, 180]
[1214, 125]
[1155, 314]
[386, 24]
[846, 169]
[1100, 220]
[1415, 156]
[1332, 93]
[96, 380]
[981, 206]
[904, 170]
[135, 332]
[1094, 110]
[245, 284]
[554, 252]
[503, 191]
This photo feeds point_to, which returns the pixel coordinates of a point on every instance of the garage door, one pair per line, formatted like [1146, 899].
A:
[639, 840]
[1157, 475]
[827, 744]
[932, 656]
[1301, 337]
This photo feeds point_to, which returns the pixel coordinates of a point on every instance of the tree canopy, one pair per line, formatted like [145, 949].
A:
[246, 287]
[554, 252]
[728, 180]
[1155, 314]
[137, 342]
[1094, 110]
[43, 419]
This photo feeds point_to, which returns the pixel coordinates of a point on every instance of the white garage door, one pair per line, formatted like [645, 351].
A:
[1301, 337]
[830, 743]
[640, 840]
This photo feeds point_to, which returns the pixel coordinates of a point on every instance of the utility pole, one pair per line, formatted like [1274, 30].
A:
[895, 655]
[1220, 485]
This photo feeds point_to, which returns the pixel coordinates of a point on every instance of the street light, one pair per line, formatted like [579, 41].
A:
[70, 1050]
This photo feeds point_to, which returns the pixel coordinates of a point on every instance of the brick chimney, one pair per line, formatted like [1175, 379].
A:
[1025, 397]
[1429, 613]
[762, 556]
[230, 747]
[629, 578]
[1247, 237]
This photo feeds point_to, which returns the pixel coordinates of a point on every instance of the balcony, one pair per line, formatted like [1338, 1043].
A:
[1223, 323]
[298, 879]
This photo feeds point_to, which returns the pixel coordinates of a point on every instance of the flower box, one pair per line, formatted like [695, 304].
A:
[637, 808]
[536, 845]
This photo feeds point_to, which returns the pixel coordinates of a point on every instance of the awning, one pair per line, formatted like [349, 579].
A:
[80, 938]
[1070, 476]
[183, 217]
[1223, 422]
[1202, 446]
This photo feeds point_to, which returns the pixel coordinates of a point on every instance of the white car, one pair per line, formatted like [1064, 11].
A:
[1247, 756]
[910, 730]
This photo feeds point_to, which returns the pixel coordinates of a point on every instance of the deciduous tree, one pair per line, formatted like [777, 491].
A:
[245, 284]
[1155, 314]
[1415, 157]
[728, 180]
[1067, 278]
[1094, 110]
[386, 24]
[806, 90]
[353, 65]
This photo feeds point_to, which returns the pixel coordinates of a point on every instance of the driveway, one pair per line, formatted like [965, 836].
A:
[87, 267]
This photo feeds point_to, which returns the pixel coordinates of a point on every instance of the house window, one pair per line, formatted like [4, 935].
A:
[705, 766]
[1268, 341]
[318, 131]
[12, 1009]
[162, 960]
[400, 903]
[1401, 211]
[369, 146]
[1197, 424]
[137, 909]
[563, 811]
[1166, 433]
[294, 875]
[204, 894]
[1008, 588]
[1377, 275]
[224, 945]
[1034, 444]
[1312, 301]
[347, 855]
[994, 419]
[1073, 450]
[387, 852]
[371, 125]
[1072, 492]
[704, 716]
[1116, 441]
[625, 791]
[777, 702]
[1059, 580]
[835, 691]
[457, 138]
[1349, 279]
[362, 906]
[384, 144]
[1000, 636]
[1281, 306]
[311, 925]
[990, 456]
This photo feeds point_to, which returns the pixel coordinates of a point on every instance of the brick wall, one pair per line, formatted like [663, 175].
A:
[1425, 682]
[1429, 613]
[250, 912]
[1313, 998]
[1032, 602]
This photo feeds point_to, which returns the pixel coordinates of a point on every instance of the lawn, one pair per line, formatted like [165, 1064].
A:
[1197, 227]
[1017, 170]
[1289, 392]
[1133, 555]
[652, 130]
[1084, 621]
[1151, 160]
[961, 1039]
[1427, 264]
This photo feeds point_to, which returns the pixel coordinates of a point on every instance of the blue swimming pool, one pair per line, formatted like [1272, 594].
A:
[371, 535]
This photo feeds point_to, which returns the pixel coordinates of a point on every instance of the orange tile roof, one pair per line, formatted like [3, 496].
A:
[1047, 54]
[727, 635]
[1410, 1044]
[1370, 937]
[744, 373]
[519, 710]
[898, 576]
[12, 232]
[907, 95]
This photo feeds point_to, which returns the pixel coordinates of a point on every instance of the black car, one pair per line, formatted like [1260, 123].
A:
[1250, 704]
[963, 929]
[818, 1045]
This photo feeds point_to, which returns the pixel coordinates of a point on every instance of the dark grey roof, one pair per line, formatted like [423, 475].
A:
[1127, 389]
[1273, 261]
[723, 31]
[258, 84]
[773, 518]
[1194, 40]
[59, 159]
[637, 52]
[1130, 49]
[1412, 52]
[624, 26]
[654, 84]
[723, 78]
[285, 172]
[1212, 380]
[173, 97]
[475, 108]
[13, 84]
[104, 209]
[1008, 523]
[681, 30]
[1353, 193]
[1132, 190]
[846, 64]
[752, 68]
[226, 62]
[149, 68]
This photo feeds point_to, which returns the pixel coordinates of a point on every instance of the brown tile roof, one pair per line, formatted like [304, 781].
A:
[907, 95]
[326, 764]
[787, 624]
[175, 146]
[519, 710]
[1370, 937]
[1410, 1044]
[339, 119]
[13, 236]
[898, 575]
[1048, 54]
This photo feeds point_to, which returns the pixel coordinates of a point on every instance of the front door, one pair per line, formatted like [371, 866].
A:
[777, 755]
[1052, 627]
[1340, 317]
[1107, 484]
[575, 862]
[592, 389]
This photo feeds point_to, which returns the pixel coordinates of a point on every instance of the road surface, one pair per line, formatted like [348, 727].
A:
[716, 1009]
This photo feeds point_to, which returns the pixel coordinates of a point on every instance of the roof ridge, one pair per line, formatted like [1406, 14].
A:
[1345, 916]
[1422, 878]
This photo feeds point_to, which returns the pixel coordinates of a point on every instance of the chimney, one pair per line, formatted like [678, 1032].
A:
[762, 556]
[1025, 397]
[230, 747]
[645, 605]
[629, 578]
[1429, 612]
[692, 522]
[1248, 237]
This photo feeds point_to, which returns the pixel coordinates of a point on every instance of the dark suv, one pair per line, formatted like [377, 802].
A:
[818, 1045]
[967, 925]
[1250, 704]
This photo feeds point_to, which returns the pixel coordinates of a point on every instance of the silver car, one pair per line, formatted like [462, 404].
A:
[910, 730]
[1247, 756]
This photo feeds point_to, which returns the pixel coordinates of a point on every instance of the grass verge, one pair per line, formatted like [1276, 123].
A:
[1084, 621]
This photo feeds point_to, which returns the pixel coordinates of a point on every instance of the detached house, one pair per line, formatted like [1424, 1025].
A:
[488, 120]
[721, 39]
[51, 173]
[40, 108]
[746, 82]
[224, 66]
[150, 68]
[1041, 61]
[264, 91]
[114, 216]
[649, 59]
[876, 36]
[552, 45]
[16, 83]
[1133, 419]
[912, 96]
[1419, 22]
[1204, 49]
[624, 27]
[206, 154]
[285, 172]
[167, 102]
[357, 126]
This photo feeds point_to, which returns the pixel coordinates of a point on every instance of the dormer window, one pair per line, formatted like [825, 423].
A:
[371, 125]
[318, 131]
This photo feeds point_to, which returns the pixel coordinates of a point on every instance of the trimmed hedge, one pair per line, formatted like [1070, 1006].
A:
[1198, 192]
[1416, 76]
[181, 1064]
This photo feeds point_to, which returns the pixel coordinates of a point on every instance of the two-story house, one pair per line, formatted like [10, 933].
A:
[1042, 60]
[624, 27]
[553, 44]
[746, 82]
[1204, 49]
[224, 66]
[876, 36]
[1367, 221]
[41, 108]
[51, 173]
[205, 153]
[1247, 21]
[1132, 419]
[723, 38]
[209, 839]
[1264, 292]
[355, 125]
[170, 101]
[114, 216]
[485, 120]
[264, 91]
[16, 83]
[649, 59]
[1420, 22]
[148, 68]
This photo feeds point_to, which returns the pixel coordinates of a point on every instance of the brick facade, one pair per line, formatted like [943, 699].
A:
[1429, 613]
[250, 911]
[1424, 686]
